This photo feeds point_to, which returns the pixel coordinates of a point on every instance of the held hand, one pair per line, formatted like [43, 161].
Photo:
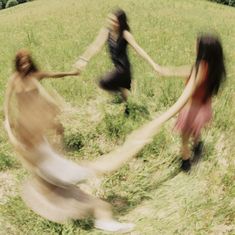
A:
[158, 69]
[168, 71]
[163, 71]
[80, 64]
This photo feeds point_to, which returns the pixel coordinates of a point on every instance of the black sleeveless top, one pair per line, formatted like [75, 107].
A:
[118, 52]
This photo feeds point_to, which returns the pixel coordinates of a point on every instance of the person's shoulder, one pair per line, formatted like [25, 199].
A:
[38, 75]
[13, 78]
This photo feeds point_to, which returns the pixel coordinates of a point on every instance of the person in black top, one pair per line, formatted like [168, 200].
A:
[117, 35]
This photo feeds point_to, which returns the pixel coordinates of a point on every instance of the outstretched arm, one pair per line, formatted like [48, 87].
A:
[181, 71]
[130, 39]
[93, 49]
[41, 75]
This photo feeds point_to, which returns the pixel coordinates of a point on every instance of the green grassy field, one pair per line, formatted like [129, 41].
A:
[150, 191]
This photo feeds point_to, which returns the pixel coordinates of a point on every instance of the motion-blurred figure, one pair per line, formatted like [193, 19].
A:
[51, 191]
[118, 36]
[197, 112]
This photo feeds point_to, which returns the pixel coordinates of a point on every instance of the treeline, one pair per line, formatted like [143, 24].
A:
[225, 2]
[11, 3]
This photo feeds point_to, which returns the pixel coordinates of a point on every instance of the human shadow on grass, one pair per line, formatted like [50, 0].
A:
[123, 205]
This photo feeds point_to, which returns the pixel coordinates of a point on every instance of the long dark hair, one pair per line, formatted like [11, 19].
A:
[122, 20]
[209, 49]
[25, 53]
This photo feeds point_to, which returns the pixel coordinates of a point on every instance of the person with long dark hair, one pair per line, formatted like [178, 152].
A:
[197, 112]
[118, 36]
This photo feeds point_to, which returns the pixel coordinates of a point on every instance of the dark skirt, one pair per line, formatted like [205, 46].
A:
[116, 79]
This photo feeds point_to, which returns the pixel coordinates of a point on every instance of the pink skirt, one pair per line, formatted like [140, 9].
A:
[193, 117]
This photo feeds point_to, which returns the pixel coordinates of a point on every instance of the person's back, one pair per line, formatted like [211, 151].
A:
[118, 51]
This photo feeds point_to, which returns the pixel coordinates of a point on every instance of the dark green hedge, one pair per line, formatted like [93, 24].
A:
[225, 2]
[11, 3]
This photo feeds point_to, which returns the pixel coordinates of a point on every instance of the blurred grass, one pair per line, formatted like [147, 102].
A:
[149, 191]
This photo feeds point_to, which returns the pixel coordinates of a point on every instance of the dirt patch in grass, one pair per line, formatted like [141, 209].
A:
[7, 186]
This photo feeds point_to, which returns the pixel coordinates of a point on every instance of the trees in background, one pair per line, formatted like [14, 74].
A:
[226, 2]
[11, 3]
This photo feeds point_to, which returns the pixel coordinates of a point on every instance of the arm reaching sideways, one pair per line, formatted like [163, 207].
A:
[181, 71]
[92, 50]
[130, 39]
[41, 74]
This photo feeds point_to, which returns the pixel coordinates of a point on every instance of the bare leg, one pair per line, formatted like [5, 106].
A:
[185, 151]
[124, 93]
